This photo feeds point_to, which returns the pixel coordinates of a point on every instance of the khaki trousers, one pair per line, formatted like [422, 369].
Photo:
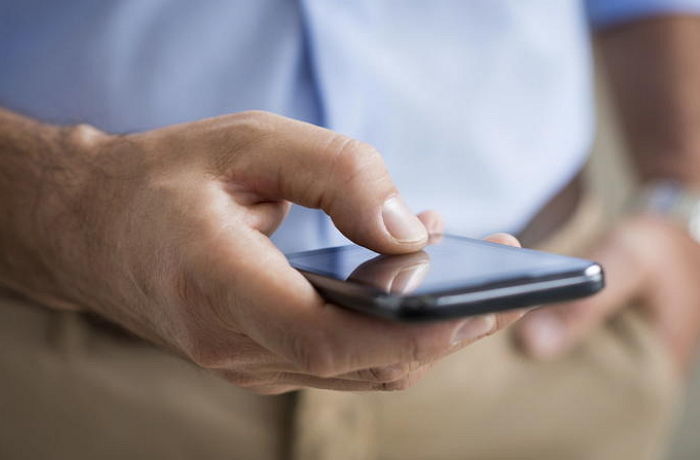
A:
[74, 387]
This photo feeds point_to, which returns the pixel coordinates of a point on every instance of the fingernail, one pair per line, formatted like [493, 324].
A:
[473, 328]
[543, 335]
[401, 223]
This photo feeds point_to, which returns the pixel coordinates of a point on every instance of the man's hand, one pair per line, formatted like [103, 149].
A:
[166, 233]
[648, 262]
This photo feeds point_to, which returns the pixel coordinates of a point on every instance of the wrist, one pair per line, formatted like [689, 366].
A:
[671, 201]
[44, 175]
[66, 216]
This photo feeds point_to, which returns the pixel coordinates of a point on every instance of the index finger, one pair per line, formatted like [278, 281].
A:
[283, 159]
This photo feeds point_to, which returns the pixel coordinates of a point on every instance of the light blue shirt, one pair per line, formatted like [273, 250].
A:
[482, 109]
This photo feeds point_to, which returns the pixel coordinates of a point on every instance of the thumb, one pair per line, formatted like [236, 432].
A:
[318, 168]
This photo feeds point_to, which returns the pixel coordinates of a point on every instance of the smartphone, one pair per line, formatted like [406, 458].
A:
[451, 277]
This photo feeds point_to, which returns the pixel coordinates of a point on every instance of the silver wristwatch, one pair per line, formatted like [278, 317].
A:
[674, 201]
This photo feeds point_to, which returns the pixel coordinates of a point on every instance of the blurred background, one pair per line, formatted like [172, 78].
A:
[610, 173]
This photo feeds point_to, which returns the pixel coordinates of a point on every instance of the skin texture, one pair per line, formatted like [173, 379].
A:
[166, 233]
[654, 70]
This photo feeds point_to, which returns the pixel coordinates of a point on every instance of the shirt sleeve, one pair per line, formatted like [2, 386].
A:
[609, 12]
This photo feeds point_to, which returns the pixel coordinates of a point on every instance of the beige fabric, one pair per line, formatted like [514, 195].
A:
[72, 387]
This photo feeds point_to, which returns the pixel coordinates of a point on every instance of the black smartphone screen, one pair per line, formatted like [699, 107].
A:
[447, 263]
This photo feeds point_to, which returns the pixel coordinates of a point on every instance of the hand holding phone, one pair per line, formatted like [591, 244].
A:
[451, 277]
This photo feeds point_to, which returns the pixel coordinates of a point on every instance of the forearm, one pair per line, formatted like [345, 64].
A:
[654, 70]
[35, 179]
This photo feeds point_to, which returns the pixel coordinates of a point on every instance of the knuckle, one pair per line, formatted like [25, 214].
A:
[352, 158]
[255, 118]
[387, 373]
[398, 385]
[426, 343]
[226, 137]
[408, 380]
[501, 321]
[252, 126]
